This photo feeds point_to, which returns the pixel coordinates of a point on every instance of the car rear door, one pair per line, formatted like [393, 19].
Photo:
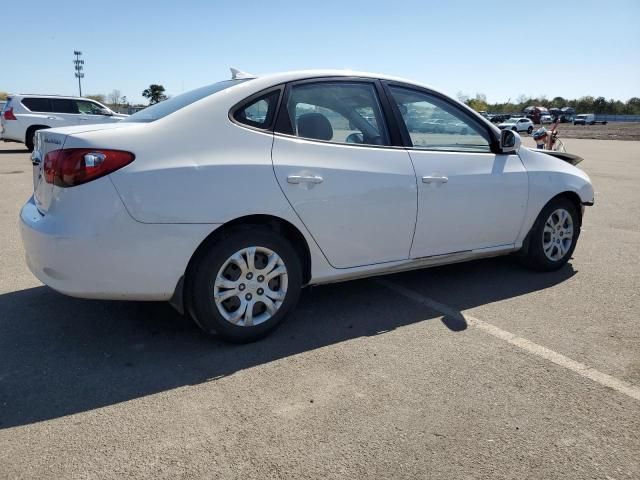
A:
[469, 198]
[334, 160]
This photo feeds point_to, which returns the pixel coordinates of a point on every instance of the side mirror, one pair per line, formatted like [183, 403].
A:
[509, 141]
[106, 111]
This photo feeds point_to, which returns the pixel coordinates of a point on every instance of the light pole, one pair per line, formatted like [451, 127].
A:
[78, 68]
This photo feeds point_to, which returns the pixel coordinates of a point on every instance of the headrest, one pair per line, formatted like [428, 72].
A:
[314, 125]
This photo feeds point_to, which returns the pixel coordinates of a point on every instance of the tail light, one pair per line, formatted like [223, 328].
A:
[75, 166]
[8, 114]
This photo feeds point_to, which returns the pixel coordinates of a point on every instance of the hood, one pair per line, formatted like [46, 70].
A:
[567, 157]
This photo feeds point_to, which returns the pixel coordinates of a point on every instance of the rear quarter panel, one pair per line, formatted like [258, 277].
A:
[196, 166]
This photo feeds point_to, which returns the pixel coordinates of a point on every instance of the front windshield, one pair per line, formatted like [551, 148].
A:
[173, 104]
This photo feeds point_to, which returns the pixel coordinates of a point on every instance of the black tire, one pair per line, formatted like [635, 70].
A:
[200, 285]
[532, 255]
[515, 129]
[529, 130]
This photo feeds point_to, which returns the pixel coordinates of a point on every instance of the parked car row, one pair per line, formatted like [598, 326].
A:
[24, 115]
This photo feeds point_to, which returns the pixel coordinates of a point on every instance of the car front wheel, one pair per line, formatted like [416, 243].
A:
[245, 285]
[529, 130]
[553, 237]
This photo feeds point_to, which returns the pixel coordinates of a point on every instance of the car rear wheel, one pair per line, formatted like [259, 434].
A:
[553, 237]
[529, 130]
[245, 285]
[515, 129]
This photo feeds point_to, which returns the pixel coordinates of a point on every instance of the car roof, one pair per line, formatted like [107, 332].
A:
[283, 77]
[42, 95]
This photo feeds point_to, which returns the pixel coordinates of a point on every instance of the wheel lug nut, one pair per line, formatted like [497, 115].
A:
[260, 278]
[248, 296]
[260, 291]
[241, 287]
[249, 276]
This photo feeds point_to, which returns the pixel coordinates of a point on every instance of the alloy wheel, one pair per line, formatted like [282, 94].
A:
[557, 236]
[250, 286]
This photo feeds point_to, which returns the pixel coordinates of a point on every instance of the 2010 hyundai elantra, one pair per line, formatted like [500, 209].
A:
[228, 199]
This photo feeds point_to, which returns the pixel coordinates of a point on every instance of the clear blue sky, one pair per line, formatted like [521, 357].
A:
[500, 48]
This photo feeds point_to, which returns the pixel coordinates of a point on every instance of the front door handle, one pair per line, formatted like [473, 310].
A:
[297, 179]
[432, 179]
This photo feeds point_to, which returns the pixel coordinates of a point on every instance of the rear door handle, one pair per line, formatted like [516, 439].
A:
[297, 179]
[432, 179]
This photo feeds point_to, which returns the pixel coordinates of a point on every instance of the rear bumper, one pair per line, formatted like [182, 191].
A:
[110, 257]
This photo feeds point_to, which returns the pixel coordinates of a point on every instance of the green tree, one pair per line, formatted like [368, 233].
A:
[633, 106]
[155, 93]
[478, 103]
[599, 105]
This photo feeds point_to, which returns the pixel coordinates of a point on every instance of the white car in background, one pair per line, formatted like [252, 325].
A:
[517, 124]
[24, 115]
[228, 199]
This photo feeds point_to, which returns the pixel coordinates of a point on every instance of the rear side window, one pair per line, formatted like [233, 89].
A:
[63, 105]
[37, 104]
[337, 112]
[259, 112]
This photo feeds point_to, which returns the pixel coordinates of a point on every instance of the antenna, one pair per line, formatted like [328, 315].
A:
[240, 75]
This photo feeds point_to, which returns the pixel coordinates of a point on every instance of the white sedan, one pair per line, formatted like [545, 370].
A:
[228, 199]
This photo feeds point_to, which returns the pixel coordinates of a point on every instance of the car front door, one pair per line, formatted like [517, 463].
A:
[333, 159]
[469, 198]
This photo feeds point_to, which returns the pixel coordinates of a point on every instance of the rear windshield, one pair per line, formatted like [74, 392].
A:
[167, 107]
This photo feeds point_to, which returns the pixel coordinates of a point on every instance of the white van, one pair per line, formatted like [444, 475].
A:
[587, 119]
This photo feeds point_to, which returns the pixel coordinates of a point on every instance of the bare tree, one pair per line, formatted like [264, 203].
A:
[115, 98]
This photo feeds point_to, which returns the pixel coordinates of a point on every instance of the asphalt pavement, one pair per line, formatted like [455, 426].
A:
[476, 370]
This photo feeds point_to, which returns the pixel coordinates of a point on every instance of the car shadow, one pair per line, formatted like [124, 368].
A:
[14, 150]
[61, 355]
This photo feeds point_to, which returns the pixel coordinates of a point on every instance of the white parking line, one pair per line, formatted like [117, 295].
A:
[522, 343]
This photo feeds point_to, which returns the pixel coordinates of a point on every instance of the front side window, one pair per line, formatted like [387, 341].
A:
[338, 112]
[37, 104]
[88, 108]
[433, 124]
[258, 113]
